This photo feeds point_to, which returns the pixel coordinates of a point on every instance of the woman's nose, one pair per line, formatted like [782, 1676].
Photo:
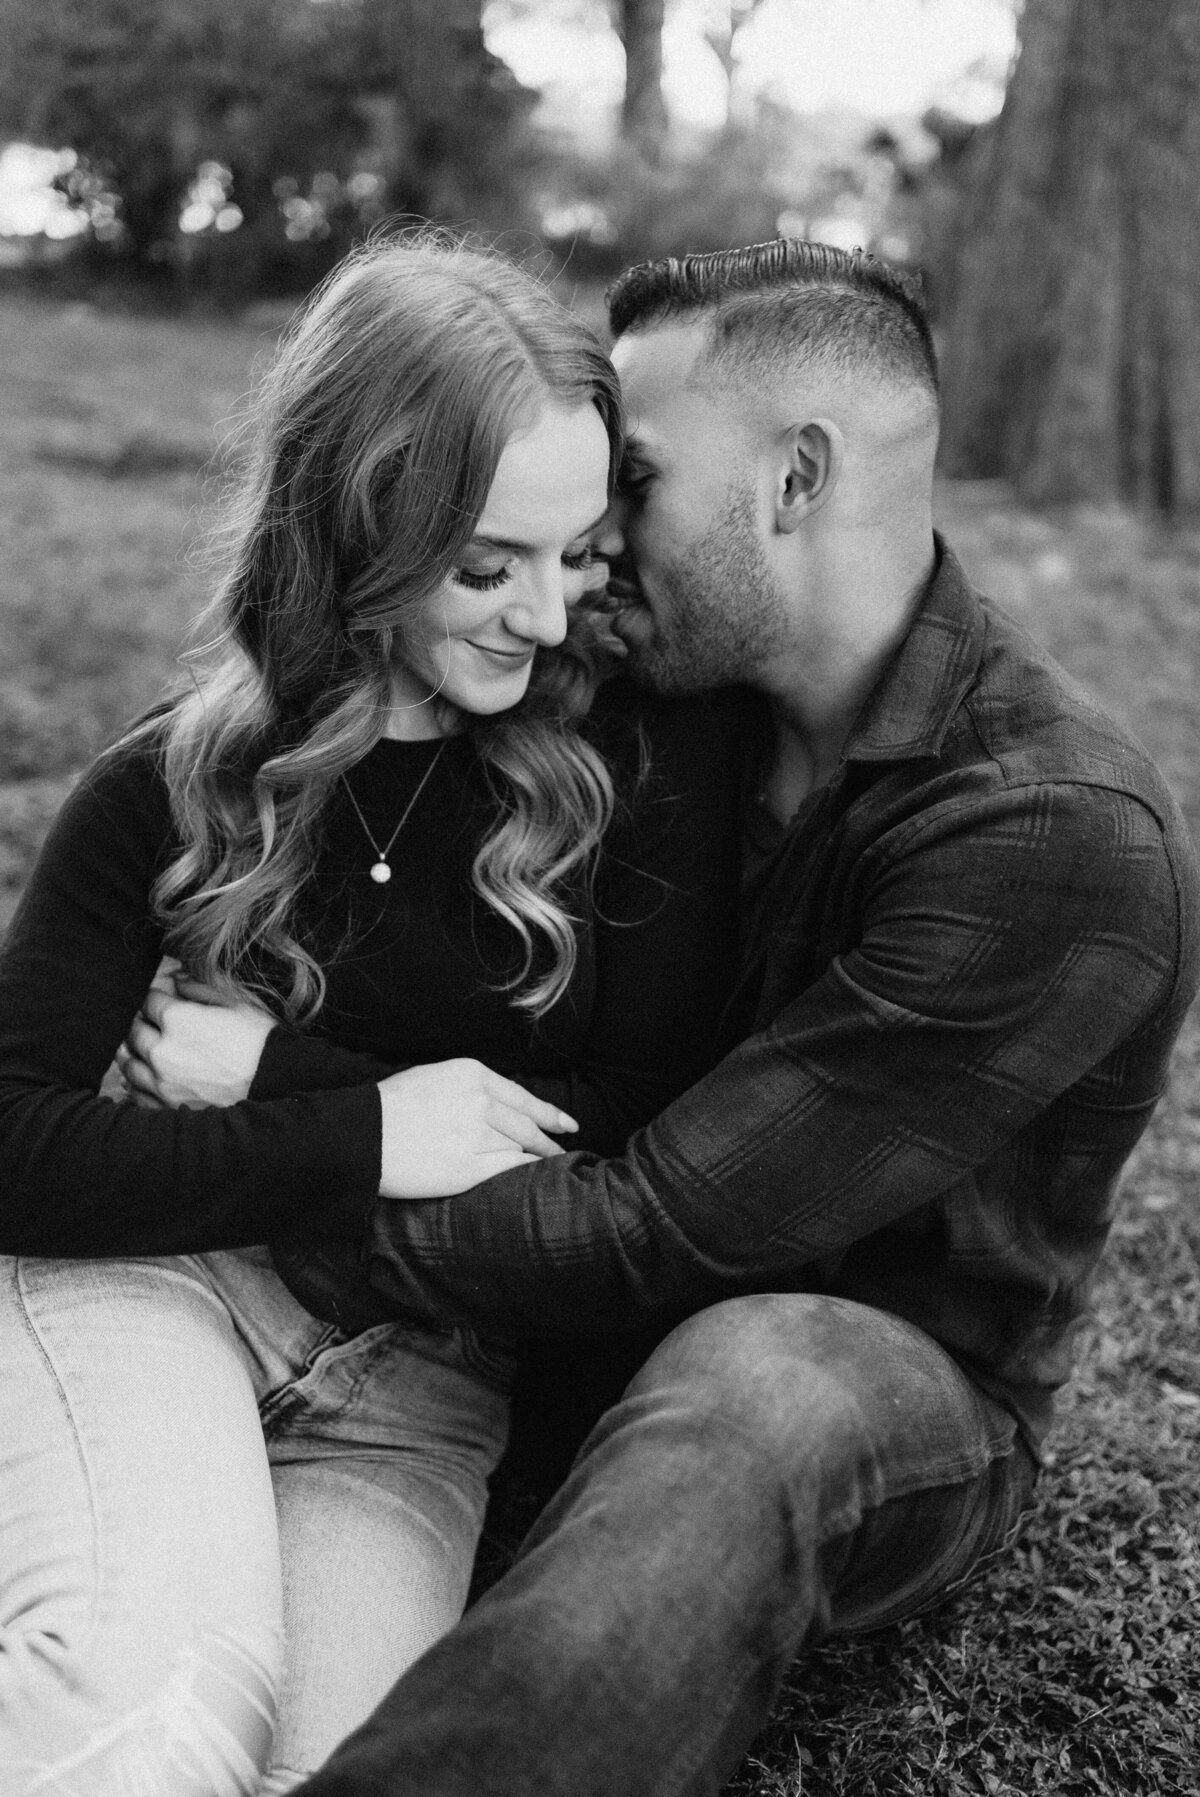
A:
[540, 611]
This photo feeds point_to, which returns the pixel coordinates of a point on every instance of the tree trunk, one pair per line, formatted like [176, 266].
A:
[643, 111]
[456, 108]
[721, 34]
[1073, 356]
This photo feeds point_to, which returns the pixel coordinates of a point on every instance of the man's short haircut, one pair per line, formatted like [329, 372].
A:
[771, 302]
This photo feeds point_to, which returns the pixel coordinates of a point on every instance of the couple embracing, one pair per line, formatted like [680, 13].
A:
[613, 902]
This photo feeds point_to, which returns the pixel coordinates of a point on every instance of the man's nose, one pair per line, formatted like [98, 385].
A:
[609, 538]
[612, 539]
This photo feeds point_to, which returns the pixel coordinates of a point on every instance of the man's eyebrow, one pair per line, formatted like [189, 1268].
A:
[483, 540]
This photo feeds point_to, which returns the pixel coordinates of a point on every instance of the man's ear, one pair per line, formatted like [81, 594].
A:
[809, 473]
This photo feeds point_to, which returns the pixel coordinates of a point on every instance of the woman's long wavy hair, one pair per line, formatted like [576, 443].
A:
[377, 433]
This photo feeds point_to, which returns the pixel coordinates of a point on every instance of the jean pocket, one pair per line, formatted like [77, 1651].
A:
[334, 1366]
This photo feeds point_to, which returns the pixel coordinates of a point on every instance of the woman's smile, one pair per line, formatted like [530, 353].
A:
[510, 658]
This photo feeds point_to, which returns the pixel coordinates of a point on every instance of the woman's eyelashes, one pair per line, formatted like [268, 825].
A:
[478, 580]
[482, 583]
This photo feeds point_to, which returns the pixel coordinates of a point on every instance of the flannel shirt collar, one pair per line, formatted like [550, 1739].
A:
[908, 713]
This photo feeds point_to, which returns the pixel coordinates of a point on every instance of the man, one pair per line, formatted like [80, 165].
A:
[970, 938]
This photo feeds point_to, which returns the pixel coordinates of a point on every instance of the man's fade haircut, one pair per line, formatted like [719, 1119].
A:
[790, 298]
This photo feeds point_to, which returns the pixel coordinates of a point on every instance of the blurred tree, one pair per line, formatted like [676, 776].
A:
[450, 117]
[643, 109]
[1073, 357]
[723, 19]
[310, 120]
[147, 90]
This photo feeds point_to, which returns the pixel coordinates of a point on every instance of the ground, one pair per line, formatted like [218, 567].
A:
[1069, 1669]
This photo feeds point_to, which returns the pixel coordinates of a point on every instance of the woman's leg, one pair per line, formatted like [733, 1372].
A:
[374, 1572]
[380, 1449]
[139, 1581]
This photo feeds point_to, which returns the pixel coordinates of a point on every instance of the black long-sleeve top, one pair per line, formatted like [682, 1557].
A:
[415, 974]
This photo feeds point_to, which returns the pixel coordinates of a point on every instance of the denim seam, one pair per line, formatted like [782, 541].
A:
[947, 1472]
[933, 1591]
[283, 1398]
[961, 1472]
[77, 1438]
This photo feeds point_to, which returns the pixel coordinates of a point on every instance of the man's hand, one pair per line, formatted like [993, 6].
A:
[450, 1124]
[188, 1048]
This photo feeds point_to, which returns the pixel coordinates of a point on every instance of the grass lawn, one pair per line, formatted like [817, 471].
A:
[1071, 1668]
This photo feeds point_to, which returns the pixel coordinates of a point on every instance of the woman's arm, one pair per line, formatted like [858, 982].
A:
[82, 1175]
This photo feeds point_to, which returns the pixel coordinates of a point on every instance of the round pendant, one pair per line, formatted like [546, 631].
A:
[381, 873]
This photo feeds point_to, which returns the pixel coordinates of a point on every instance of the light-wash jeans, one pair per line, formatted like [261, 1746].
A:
[225, 1528]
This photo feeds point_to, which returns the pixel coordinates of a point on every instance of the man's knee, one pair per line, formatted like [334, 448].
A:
[847, 1401]
[777, 1365]
[836, 1452]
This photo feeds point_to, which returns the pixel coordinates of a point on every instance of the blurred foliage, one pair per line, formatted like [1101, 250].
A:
[300, 124]
[221, 150]
[224, 149]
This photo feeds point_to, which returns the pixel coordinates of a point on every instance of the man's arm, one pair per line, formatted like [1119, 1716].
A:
[1019, 940]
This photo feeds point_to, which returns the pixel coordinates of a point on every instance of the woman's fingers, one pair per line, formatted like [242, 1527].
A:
[137, 1075]
[196, 990]
[155, 1003]
[143, 1038]
[200, 993]
[448, 1125]
[164, 975]
[515, 1097]
[517, 1127]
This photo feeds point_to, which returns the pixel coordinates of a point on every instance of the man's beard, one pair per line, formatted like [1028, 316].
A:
[723, 615]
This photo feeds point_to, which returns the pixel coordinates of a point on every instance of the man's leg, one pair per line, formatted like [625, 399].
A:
[781, 1466]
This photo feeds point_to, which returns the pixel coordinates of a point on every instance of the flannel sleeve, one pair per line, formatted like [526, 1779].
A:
[1008, 947]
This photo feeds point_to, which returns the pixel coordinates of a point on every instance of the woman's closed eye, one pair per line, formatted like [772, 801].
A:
[485, 580]
[480, 580]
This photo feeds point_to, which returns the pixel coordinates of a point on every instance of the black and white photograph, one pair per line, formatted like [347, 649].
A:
[599, 898]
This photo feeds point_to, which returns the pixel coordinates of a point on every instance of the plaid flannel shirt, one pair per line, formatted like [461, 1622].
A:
[965, 965]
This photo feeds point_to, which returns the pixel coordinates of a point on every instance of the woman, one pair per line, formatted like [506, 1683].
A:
[369, 829]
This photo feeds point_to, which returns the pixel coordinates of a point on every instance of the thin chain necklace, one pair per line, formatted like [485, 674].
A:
[381, 873]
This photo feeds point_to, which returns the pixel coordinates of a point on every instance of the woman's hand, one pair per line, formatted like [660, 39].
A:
[188, 1048]
[450, 1124]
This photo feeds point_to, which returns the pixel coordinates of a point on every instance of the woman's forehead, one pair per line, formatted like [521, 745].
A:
[551, 480]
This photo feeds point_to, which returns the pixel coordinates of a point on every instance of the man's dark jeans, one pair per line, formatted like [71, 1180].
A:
[782, 1466]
